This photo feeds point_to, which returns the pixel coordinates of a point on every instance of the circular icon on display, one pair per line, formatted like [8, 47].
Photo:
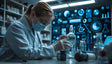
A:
[66, 13]
[96, 12]
[94, 36]
[53, 22]
[84, 20]
[72, 15]
[96, 26]
[81, 12]
[78, 36]
[102, 7]
[75, 11]
[89, 19]
[105, 35]
[81, 28]
[60, 14]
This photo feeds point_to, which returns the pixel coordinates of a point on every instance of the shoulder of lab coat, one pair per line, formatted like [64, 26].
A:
[18, 42]
[108, 47]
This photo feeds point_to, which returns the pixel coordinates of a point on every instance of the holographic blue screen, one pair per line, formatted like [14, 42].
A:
[86, 21]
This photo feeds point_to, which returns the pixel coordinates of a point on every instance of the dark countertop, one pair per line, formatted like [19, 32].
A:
[51, 61]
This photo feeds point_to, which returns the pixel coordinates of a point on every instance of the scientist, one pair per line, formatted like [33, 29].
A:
[22, 39]
[108, 51]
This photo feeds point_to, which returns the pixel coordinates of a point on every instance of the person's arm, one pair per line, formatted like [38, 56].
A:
[18, 42]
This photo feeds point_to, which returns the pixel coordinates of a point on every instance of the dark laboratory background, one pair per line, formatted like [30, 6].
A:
[86, 21]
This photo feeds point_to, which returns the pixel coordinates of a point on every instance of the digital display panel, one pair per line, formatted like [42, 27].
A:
[86, 21]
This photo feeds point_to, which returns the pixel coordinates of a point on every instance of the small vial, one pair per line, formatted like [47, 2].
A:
[82, 45]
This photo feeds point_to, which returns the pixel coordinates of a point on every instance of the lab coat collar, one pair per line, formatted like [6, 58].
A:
[25, 22]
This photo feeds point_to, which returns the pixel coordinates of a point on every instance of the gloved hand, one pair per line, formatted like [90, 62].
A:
[61, 44]
[108, 51]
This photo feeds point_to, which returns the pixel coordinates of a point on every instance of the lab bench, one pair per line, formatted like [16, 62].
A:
[51, 61]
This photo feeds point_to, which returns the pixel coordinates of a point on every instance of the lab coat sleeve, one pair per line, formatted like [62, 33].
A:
[45, 48]
[18, 42]
[108, 49]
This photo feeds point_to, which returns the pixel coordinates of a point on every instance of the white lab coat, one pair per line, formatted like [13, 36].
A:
[108, 48]
[20, 41]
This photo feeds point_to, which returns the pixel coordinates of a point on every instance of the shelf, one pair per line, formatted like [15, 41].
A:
[2, 36]
[45, 40]
[1, 20]
[45, 31]
[25, 6]
[1, 9]
[14, 2]
[11, 12]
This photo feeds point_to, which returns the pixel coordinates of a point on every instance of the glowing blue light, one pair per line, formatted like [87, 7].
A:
[105, 35]
[56, 30]
[75, 20]
[81, 12]
[63, 31]
[53, 22]
[108, 40]
[66, 13]
[88, 13]
[59, 21]
[60, 14]
[84, 20]
[57, 37]
[96, 26]
[75, 11]
[55, 13]
[89, 20]
[72, 15]
[96, 12]
[53, 41]
[94, 36]
[64, 22]
[102, 7]
[78, 36]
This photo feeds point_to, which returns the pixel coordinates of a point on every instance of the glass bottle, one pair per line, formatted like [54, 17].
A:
[98, 46]
[82, 45]
[72, 39]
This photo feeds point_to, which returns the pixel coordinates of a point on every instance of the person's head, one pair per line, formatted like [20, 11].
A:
[40, 12]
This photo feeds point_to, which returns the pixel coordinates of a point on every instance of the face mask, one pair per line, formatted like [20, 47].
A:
[38, 26]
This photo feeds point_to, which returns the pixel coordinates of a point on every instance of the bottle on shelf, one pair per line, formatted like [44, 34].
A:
[72, 39]
[3, 30]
